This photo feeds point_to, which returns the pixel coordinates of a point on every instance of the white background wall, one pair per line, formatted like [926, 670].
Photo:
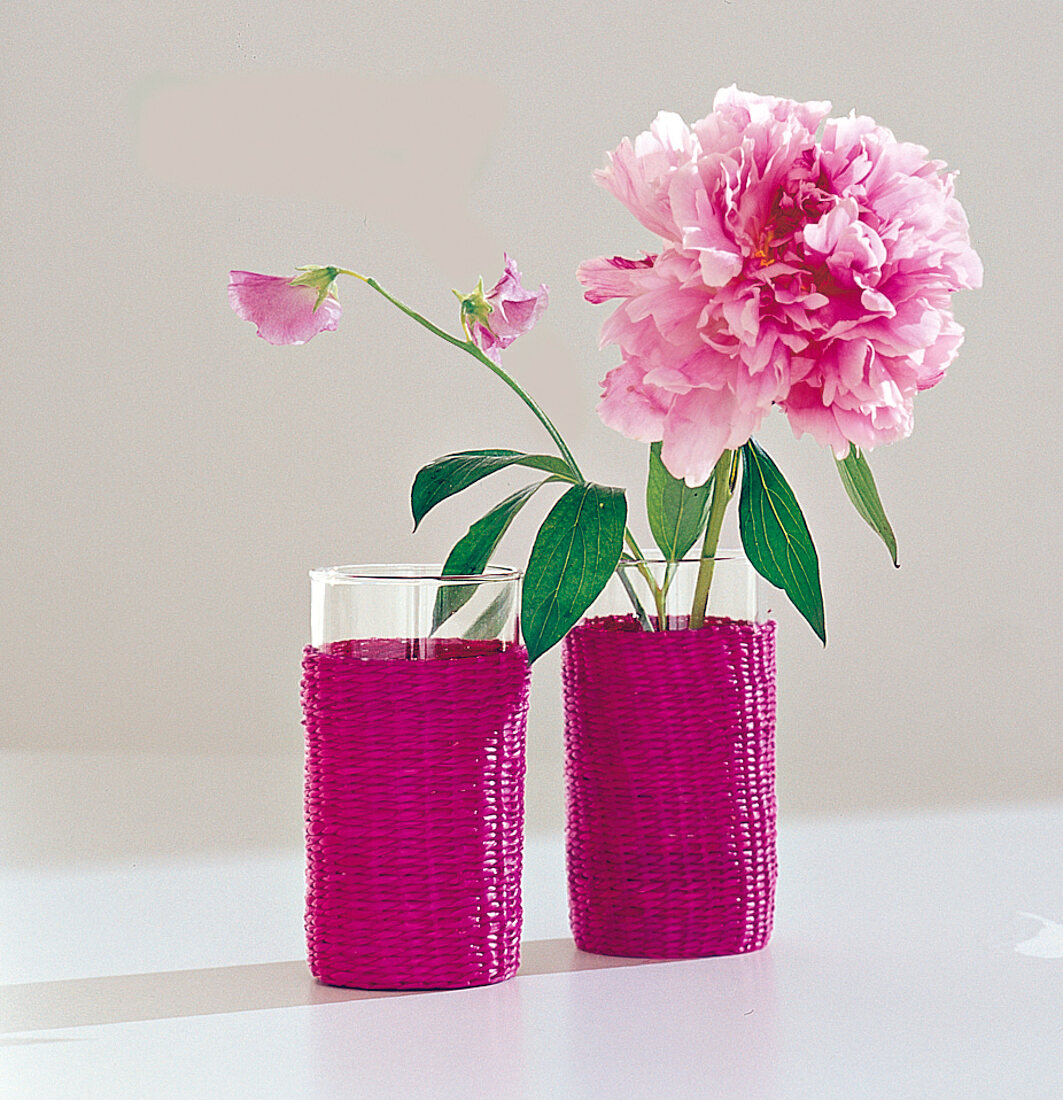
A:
[168, 478]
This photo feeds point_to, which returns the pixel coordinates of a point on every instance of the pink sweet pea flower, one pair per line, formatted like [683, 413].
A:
[493, 321]
[285, 312]
[811, 274]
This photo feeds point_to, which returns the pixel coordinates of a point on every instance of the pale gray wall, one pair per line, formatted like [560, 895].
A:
[168, 478]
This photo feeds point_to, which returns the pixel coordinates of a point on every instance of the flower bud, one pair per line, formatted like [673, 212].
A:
[320, 279]
[495, 319]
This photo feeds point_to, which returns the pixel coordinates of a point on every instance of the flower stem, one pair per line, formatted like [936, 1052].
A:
[721, 496]
[647, 576]
[632, 595]
[467, 345]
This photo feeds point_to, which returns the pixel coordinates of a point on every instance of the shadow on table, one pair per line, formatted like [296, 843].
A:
[81, 1002]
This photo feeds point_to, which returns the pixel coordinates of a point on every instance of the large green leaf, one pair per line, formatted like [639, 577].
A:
[677, 513]
[575, 552]
[860, 485]
[450, 474]
[776, 538]
[473, 551]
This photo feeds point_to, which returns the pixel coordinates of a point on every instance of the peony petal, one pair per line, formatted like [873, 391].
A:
[696, 433]
[668, 378]
[699, 427]
[631, 407]
[638, 173]
[876, 302]
[606, 278]
[816, 274]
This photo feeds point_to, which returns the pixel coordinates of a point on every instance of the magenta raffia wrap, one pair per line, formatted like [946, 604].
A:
[670, 787]
[414, 813]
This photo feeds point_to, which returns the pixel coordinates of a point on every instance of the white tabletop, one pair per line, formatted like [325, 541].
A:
[914, 956]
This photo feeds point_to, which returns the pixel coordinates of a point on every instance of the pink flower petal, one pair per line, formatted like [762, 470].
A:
[283, 314]
[812, 273]
[514, 311]
[610, 278]
[638, 172]
[699, 427]
[632, 407]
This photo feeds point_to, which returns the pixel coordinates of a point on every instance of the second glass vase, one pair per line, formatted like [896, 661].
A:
[670, 767]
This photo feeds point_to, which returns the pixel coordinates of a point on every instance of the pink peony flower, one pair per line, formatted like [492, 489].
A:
[507, 311]
[811, 274]
[285, 312]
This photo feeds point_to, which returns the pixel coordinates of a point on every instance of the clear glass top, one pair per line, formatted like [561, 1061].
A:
[732, 588]
[415, 603]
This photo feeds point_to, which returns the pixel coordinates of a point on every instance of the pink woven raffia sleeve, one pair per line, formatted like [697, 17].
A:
[670, 787]
[414, 813]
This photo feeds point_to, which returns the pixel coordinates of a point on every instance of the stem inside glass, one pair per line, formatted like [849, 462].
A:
[671, 590]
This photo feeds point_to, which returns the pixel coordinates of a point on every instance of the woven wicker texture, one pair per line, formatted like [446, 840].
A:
[670, 787]
[414, 813]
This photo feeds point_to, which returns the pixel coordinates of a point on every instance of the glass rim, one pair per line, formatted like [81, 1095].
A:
[410, 573]
[719, 556]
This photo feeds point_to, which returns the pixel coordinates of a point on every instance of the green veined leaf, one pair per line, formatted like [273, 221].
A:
[860, 485]
[776, 538]
[494, 616]
[677, 513]
[450, 474]
[474, 549]
[575, 552]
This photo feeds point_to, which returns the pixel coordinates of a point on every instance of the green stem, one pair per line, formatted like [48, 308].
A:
[469, 347]
[647, 576]
[721, 496]
[640, 611]
[662, 600]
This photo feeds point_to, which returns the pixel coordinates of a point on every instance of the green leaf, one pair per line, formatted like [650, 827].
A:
[473, 551]
[494, 617]
[575, 552]
[860, 485]
[450, 474]
[775, 536]
[677, 513]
